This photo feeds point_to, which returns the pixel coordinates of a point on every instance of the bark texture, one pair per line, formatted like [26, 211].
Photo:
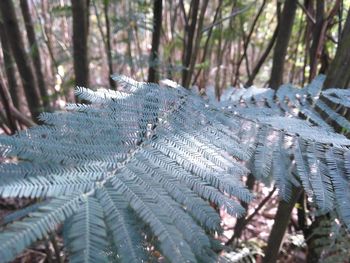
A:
[153, 74]
[9, 66]
[16, 43]
[80, 9]
[283, 36]
[35, 53]
[279, 227]
[338, 75]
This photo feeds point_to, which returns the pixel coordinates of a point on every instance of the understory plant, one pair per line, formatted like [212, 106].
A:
[147, 167]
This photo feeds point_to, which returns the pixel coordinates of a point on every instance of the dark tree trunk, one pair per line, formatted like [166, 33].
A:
[197, 41]
[338, 75]
[316, 38]
[319, 35]
[279, 227]
[246, 41]
[9, 67]
[80, 10]
[16, 43]
[108, 45]
[190, 29]
[283, 36]
[206, 45]
[35, 52]
[153, 74]
[6, 101]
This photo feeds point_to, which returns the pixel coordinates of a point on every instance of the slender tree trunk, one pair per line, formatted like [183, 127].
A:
[308, 7]
[106, 39]
[197, 41]
[190, 29]
[108, 45]
[279, 227]
[316, 38]
[153, 71]
[80, 10]
[9, 67]
[296, 52]
[321, 27]
[242, 221]
[283, 36]
[7, 102]
[338, 75]
[206, 45]
[35, 52]
[262, 59]
[247, 40]
[219, 54]
[16, 43]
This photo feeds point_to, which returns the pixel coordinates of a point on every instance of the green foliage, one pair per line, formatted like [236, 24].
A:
[138, 168]
[333, 241]
[143, 156]
[292, 151]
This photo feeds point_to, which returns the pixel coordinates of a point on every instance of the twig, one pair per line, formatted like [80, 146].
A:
[262, 203]
[247, 40]
[206, 45]
[250, 217]
[55, 247]
[233, 14]
[21, 117]
[7, 102]
[48, 250]
[312, 19]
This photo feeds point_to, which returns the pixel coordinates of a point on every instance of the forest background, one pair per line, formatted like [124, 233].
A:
[49, 47]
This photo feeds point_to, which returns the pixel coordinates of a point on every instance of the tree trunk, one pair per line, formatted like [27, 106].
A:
[16, 43]
[206, 45]
[338, 75]
[108, 45]
[80, 11]
[262, 59]
[9, 66]
[190, 29]
[247, 40]
[197, 41]
[35, 52]
[283, 36]
[7, 102]
[279, 227]
[153, 74]
[316, 38]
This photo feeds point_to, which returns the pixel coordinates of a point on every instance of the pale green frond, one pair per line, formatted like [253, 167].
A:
[171, 241]
[86, 236]
[17, 236]
[319, 180]
[125, 232]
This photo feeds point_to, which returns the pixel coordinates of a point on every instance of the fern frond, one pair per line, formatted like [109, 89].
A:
[319, 179]
[299, 150]
[149, 160]
[335, 165]
[44, 186]
[338, 96]
[17, 236]
[126, 234]
[86, 236]
[311, 140]
[171, 241]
